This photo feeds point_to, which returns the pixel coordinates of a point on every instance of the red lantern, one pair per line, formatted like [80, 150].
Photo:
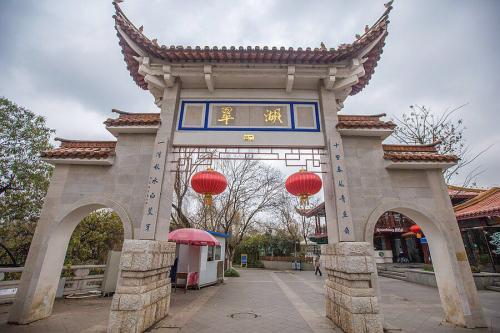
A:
[208, 183]
[303, 184]
[415, 229]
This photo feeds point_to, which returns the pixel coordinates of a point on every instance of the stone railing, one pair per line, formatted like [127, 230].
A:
[77, 278]
[81, 278]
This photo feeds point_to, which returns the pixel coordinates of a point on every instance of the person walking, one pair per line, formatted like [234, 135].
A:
[173, 271]
[317, 264]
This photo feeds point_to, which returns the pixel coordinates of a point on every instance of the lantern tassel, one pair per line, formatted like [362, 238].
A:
[304, 200]
[207, 199]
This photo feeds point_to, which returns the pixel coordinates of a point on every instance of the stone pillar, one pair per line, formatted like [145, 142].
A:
[351, 300]
[142, 294]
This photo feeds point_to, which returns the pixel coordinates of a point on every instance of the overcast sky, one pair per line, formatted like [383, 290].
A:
[61, 59]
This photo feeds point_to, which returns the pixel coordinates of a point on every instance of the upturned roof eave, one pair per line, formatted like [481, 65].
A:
[369, 45]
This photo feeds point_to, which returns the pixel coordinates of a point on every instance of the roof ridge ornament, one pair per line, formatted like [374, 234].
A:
[119, 111]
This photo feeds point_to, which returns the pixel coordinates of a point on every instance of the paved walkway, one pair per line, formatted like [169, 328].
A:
[264, 301]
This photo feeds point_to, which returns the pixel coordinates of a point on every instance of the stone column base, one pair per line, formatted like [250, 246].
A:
[142, 295]
[351, 301]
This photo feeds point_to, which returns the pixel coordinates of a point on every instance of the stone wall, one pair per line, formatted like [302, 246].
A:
[351, 301]
[482, 280]
[142, 295]
[285, 265]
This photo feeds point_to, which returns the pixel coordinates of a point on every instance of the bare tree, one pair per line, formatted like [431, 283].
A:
[188, 162]
[287, 217]
[297, 226]
[253, 189]
[422, 126]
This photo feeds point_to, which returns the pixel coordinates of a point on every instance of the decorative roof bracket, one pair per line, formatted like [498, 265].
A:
[329, 81]
[290, 79]
[209, 80]
[167, 76]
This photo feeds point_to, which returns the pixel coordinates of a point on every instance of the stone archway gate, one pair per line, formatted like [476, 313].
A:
[251, 98]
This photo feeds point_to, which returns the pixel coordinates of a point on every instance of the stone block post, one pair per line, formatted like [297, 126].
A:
[351, 301]
[142, 295]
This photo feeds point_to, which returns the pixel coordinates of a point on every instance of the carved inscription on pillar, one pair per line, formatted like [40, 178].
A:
[346, 230]
[153, 193]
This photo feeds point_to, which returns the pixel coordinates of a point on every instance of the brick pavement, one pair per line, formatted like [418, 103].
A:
[282, 301]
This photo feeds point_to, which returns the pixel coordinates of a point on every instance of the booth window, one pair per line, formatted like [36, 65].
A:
[210, 255]
[217, 252]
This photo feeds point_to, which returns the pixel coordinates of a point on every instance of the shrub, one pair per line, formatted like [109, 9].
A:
[428, 268]
[231, 272]
[259, 264]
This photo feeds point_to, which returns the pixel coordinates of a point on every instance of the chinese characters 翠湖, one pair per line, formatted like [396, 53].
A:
[226, 115]
[273, 116]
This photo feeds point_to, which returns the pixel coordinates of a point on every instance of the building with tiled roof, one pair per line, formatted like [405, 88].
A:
[486, 204]
[479, 222]
[460, 194]
[477, 213]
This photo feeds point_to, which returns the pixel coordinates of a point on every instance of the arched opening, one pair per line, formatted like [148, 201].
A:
[99, 232]
[399, 240]
[47, 262]
[95, 245]
[455, 284]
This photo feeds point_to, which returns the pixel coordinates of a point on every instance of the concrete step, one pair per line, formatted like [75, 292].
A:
[496, 283]
[392, 276]
[402, 274]
[493, 288]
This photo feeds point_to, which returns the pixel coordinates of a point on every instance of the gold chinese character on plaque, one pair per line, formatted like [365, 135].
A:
[248, 137]
[226, 115]
[273, 116]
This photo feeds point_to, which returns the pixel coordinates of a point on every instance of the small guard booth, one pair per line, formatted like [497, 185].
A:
[200, 256]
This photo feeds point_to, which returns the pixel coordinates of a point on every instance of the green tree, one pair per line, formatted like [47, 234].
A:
[15, 240]
[97, 233]
[24, 177]
[24, 180]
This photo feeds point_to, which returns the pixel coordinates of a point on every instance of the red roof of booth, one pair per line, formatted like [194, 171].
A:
[485, 204]
[372, 40]
[192, 236]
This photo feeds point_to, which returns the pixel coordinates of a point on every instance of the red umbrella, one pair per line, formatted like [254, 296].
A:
[192, 236]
